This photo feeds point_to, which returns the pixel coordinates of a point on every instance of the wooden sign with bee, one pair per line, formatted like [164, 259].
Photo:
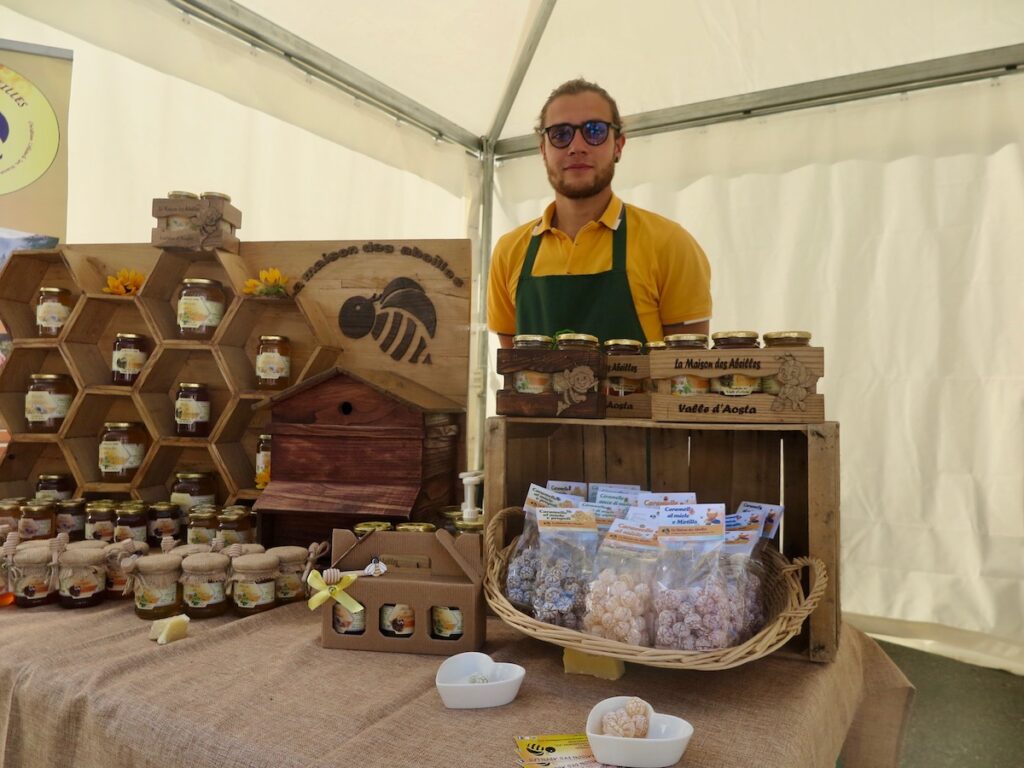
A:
[397, 305]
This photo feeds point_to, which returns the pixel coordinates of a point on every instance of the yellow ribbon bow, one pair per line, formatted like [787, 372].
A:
[325, 592]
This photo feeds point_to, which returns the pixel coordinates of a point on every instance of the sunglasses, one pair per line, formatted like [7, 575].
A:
[594, 132]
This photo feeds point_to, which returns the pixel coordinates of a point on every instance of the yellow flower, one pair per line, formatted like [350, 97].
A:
[114, 286]
[125, 283]
[271, 283]
[272, 276]
[253, 287]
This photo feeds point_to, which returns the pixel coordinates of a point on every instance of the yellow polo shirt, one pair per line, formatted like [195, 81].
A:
[669, 275]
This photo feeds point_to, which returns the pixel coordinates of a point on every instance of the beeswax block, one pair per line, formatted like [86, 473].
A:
[157, 628]
[177, 628]
[580, 663]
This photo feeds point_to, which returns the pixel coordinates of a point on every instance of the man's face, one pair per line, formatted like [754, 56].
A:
[580, 170]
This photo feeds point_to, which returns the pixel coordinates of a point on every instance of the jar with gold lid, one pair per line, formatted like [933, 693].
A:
[414, 527]
[54, 487]
[782, 340]
[47, 401]
[100, 521]
[620, 386]
[117, 579]
[736, 384]
[31, 577]
[273, 362]
[368, 526]
[192, 410]
[183, 221]
[226, 227]
[530, 382]
[131, 351]
[254, 583]
[154, 581]
[235, 526]
[10, 512]
[470, 526]
[71, 518]
[191, 489]
[450, 515]
[576, 341]
[200, 308]
[291, 565]
[686, 384]
[53, 307]
[38, 520]
[165, 519]
[202, 526]
[204, 579]
[263, 444]
[131, 523]
[123, 445]
[82, 578]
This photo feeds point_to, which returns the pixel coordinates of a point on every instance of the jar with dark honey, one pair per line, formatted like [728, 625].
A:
[82, 578]
[123, 445]
[191, 489]
[263, 461]
[568, 341]
[47, 401]
[620, 386]
[273, 362]
[165, 519]
[397, 620]
[782, 340]
[200, 308]
[192, 410]
[531, 382]
[202, 526]
[445, 622]
[255, 583]
[54, 487]
[736, 384]
[129, 356]
[38, 521]
[30, 577]
[53, 307]
[71, 518]
[117, 579]
[10, 512]
[203, 580]
[235, 527]
[100, 521]
[686, 384]
[451, 515]
[131, 523]
[154, 581]
[531, 341]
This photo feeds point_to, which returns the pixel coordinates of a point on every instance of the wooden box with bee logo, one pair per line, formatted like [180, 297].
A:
[551, 382]
[348, 447]
[189, 223]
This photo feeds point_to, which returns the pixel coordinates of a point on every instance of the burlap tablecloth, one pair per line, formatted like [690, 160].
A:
[87, 688]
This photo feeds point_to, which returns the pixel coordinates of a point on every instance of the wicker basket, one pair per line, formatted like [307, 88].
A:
[784, 596]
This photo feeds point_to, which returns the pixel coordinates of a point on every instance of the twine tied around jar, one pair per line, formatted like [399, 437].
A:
[167, 543]
[218, 545]
[135, 580]
[10, 546]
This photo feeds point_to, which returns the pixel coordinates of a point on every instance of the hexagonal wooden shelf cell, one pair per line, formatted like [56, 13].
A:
[14, 383]
[22, 277]
[253, 317]
[83, 430]
[159, 294]
[173, 455]
[158, 386]
[235, 443]
[24, 461]
[89, 339]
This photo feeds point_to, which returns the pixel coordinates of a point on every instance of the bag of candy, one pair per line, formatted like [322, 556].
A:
[619, 599]
[568, 545]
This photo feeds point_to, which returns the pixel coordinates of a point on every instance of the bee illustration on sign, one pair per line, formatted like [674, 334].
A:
[401, 318]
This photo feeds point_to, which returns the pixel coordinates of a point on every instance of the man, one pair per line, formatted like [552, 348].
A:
[592, 264]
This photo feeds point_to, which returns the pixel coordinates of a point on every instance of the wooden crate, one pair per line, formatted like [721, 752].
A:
[575, 375]
[793, 464]
[634, 406]
[206, 217]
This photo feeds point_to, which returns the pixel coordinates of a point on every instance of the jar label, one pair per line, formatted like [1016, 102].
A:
[51, 495]
[204, 594]
[149, 598]
[51, 314]
[182, 222]
[116, 579]
[116, 456]
[69, 522]
[130, 533]
[197, 312]
[262, 469]
[236, 537]
[30, 528]
[289, 585]
[347, 623]
[101, 530]
[531, 382]
[273, 366]
[165, 526]
[128, 361]
[44, 406]
[32, 587]
[398, 619]
[447, 621]
[82, 583]
[689, 385]
[201, 535]
[251, 594]
[736, 384]
[617, 386]
[188, 411]
[186, 502]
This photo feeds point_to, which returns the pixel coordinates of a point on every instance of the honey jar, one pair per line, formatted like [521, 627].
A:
[71, 518]
[38, 521]
[123, 445]
[235, 527]
[10, 513]
[782, 340]
[226, 227]
[254, 583]
[202, 526]
[30, 577]
[192, 410]
[263, 461]
[154, 582]
[620, 386]
[54, 487]
[735, 384]
[53, 307]
[87, 544]
[82, 578]
[129, 357]
[416, 527]
[368, 526]
[132, 523]
[451, 515]
[445, 622]
[273, 362]
[200, 308]
[116, 577]
[531, 382]
[100, 522]
[184, 221]
[291, 564]
[191, 489]
[47, 401]
[469, 526]
[165, 519]
[203, 581]
[567, 341]
[397, 620]
[686, 384]
[345, 622]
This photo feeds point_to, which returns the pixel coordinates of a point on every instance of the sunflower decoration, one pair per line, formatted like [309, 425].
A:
[271, 283]
[126, 282]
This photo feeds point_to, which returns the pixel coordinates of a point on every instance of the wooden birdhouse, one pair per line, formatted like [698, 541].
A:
[349, 447]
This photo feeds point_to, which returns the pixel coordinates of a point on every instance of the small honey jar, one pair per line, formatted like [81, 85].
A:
[531, 382]
[53, 307]
[129, 357]
[192, 410]
[200, 308]
[47, 401]
[82, 578]
[273, 362]
[254, 585]
[154, 582]
[203, 579]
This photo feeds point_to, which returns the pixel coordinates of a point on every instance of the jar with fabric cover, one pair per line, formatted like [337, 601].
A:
[31, 577]
[254, 583]
[204, 584]
[292, 564]
[82, 578]
[184, 550]
[155, 582]
[99, 546]
[238, 550]
[116, 577]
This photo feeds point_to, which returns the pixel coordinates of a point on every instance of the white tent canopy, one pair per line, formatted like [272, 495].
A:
[888, 226]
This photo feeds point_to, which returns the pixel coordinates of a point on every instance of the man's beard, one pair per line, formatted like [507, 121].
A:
[581, 190]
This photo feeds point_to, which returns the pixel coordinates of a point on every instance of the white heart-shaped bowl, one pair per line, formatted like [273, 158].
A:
[457, 692]
[666, 740]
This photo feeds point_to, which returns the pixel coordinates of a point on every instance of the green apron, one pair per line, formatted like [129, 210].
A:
[600, 304]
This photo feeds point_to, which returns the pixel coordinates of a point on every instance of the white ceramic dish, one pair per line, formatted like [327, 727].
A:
[457, 692]
[666, 740]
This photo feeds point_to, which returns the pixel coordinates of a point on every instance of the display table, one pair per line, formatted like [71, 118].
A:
[87, 688]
